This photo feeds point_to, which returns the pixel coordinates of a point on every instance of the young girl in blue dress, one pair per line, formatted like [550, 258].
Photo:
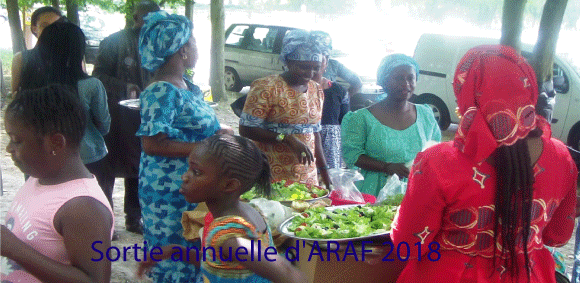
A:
[222, 168]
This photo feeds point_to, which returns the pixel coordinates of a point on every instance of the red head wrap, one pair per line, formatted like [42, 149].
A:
[496, 92]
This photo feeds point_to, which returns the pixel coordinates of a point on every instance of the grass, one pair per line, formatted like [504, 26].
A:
[6, 57]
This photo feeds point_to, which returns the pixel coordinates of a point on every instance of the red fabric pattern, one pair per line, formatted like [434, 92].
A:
[496, 92]
[453, 206]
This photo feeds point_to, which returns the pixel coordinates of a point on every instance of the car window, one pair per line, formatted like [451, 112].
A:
[559, 76]
[236, 37]
[560, 79]
[262, 39]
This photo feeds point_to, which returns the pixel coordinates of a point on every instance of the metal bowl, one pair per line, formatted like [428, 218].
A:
[283, 229]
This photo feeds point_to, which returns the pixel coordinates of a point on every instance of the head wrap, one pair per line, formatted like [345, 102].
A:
[301, 45]
[496, 92]
[323, 40]
[162, 36]
[390, 62]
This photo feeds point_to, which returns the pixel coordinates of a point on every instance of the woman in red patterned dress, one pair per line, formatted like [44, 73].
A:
[482, 207]
[282, 113]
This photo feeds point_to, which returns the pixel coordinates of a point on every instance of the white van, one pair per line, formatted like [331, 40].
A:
[438, 56]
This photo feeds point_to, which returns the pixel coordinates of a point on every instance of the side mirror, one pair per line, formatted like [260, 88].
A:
[560, 84]
[559, 81]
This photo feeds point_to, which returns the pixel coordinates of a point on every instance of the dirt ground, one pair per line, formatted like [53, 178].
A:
[124, 271]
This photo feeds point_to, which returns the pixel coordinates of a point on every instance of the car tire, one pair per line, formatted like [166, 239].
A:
[574, 137]
[232, 80]
[440, 110]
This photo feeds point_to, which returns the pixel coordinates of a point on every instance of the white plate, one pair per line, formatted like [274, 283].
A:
[132, 103]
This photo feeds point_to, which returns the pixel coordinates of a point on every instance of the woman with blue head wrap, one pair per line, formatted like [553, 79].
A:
[174, 118]
[282, 112]
[336, 105]
[383, 139]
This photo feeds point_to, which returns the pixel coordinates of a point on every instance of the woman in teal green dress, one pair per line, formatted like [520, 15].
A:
[380, 139]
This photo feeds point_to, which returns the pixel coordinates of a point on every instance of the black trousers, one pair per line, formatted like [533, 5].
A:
[105, 175]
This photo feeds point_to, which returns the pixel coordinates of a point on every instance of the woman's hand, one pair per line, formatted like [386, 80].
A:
[302, 151]
[146, 265]
[225, 130]
[133, 91]
[397, 168]
[325, 177]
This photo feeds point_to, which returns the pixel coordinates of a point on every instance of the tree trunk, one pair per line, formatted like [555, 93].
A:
[72, 11]
[545, 48]
[129, 9]
[15, 28]
[189, 9]
[512, 22]
[55, 3]
[216, 77]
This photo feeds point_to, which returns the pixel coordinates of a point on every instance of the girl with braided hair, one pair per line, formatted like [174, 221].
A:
[60, 214]
[221, 169]
[482, 207]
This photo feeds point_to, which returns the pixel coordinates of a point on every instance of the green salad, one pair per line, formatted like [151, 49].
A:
[394, 200]
[282, 191]
[351, 222]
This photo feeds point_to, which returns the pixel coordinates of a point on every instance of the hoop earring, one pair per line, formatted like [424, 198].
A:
[53, 152]
[184, 56]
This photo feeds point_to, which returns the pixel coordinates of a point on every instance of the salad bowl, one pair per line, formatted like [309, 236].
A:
[287, 191]
[340, 224]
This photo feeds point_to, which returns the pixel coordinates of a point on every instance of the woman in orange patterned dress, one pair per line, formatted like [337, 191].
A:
[282, 113]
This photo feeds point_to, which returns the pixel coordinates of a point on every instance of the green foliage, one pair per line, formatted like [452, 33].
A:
[107, 5]
[6, 57]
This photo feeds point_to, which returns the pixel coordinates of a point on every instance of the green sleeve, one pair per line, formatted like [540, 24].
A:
[353, 136]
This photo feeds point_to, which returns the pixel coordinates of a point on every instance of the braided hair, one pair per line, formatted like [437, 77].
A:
[240, 158]
[57, 57]
[513, 202]
[48, 110]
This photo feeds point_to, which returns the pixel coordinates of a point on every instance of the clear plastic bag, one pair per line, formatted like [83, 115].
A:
[274, 211]
[393, 187]
[343, 184]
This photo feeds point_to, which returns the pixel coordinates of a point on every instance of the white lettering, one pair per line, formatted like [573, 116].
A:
[26, 226]
[31, 235]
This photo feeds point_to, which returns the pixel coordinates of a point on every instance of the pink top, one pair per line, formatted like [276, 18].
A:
[30, 218]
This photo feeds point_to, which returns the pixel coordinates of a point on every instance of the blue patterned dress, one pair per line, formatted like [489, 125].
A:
[183, 116]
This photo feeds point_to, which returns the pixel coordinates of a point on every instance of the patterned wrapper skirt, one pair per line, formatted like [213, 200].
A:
[330, 135]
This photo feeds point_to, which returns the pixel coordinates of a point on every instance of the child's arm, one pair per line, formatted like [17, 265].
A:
[276, 268]
[168, 251]
[85, 225]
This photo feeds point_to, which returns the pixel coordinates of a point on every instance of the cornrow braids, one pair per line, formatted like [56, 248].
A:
[240, 158]
[513, 202]
[52, 109]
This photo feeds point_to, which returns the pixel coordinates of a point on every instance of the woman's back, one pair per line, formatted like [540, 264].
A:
[456, 202]
[94, 100]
